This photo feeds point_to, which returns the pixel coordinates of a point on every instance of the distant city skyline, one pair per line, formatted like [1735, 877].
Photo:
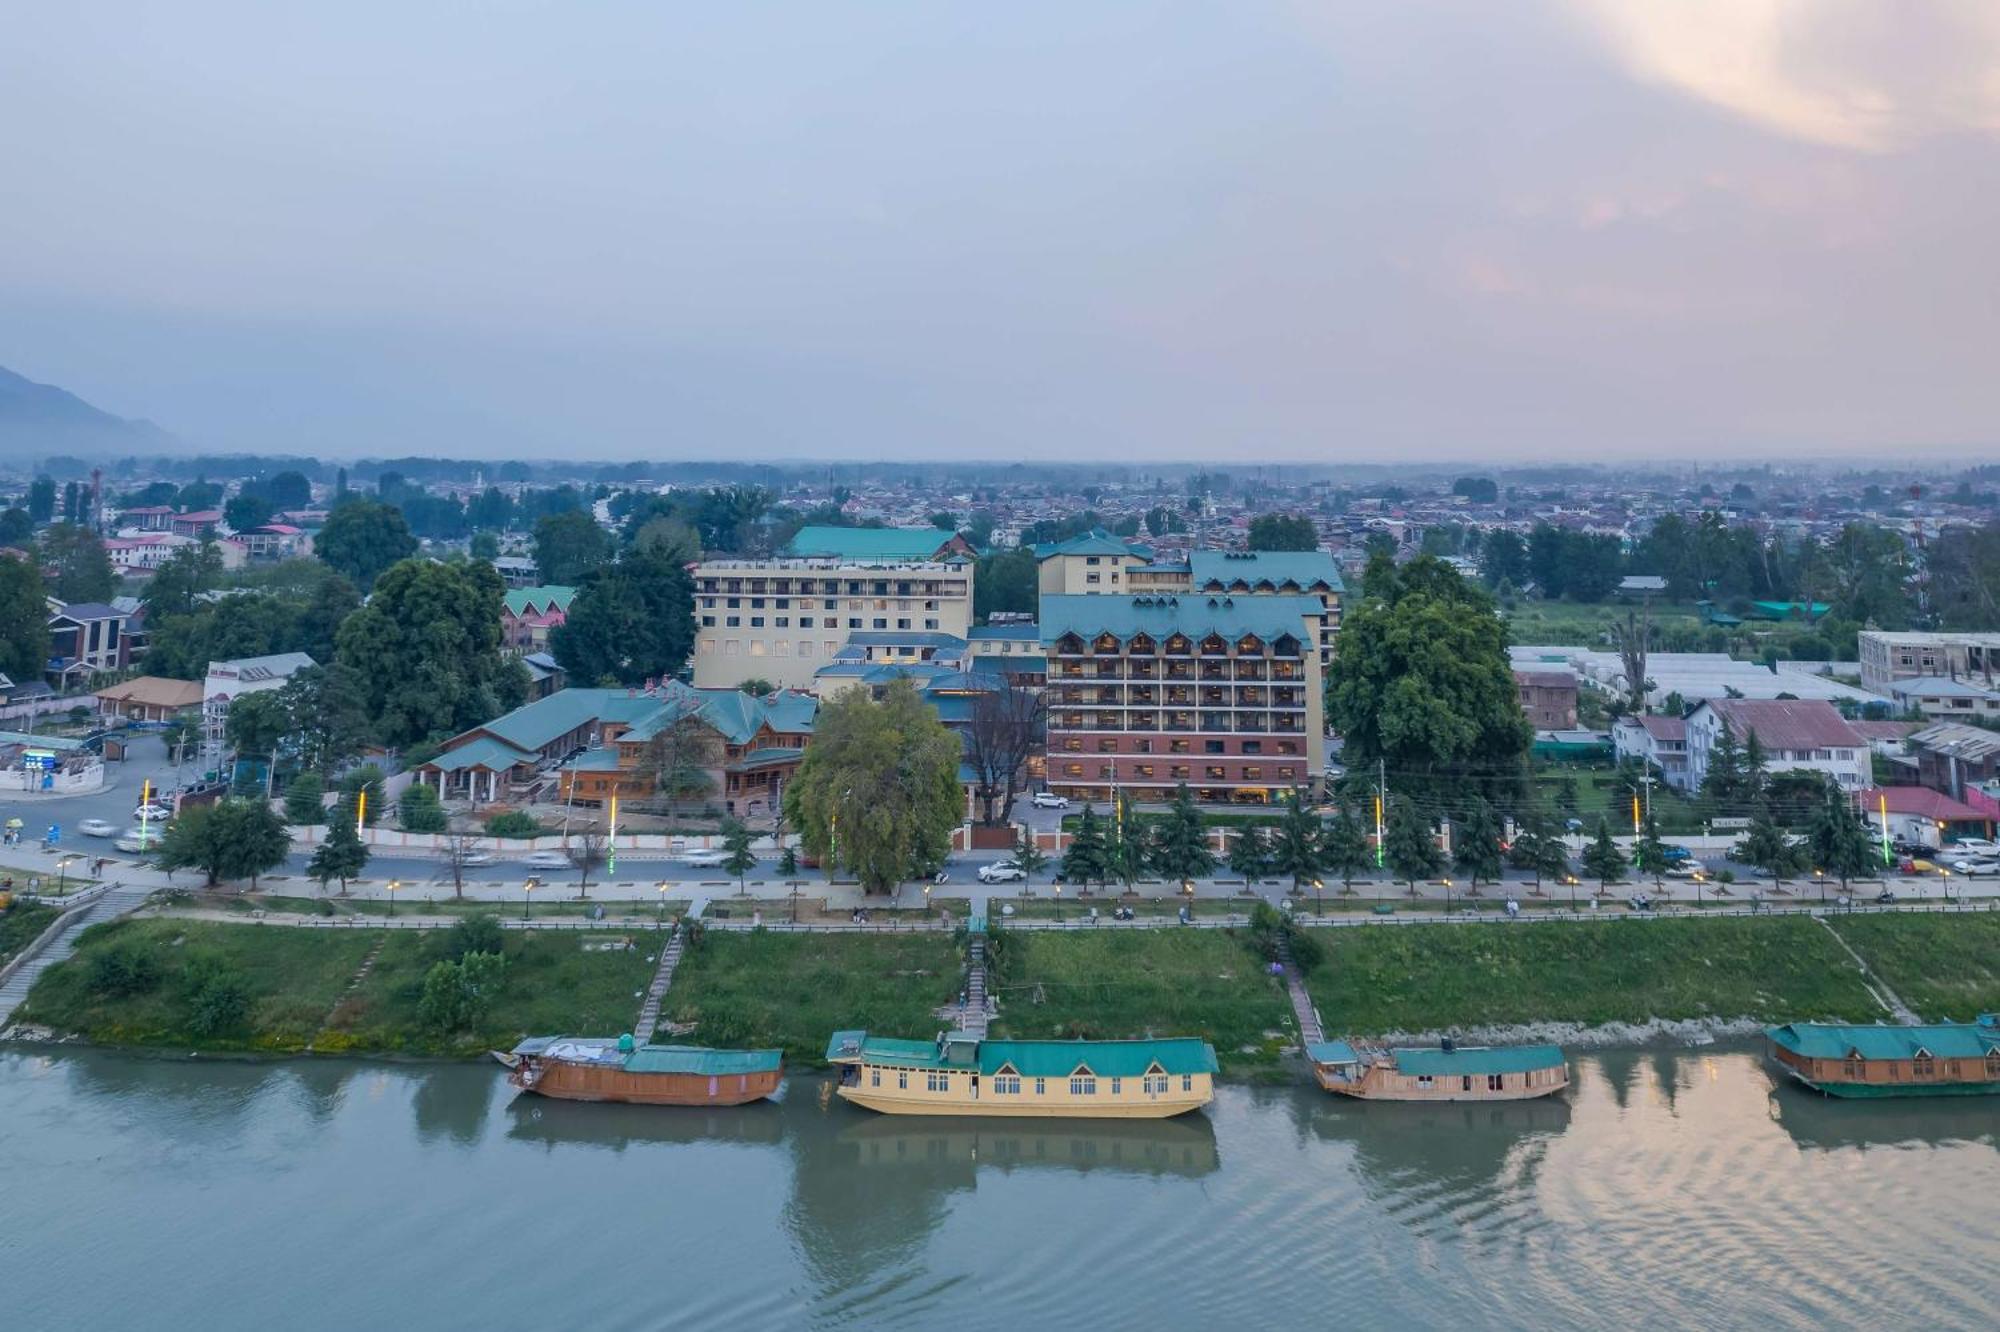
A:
[1559, 231]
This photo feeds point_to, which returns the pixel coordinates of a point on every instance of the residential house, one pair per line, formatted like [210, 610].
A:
[1887, 657]
[1942, 698]
[148, 699]
[1920, 814]
[528, 613]
[1796, 735]
[144, 553]
[86, 638]
[1548, 697]
[195, 524]
[517, 570]
[274, 541]
[545, 675]
[1145, 692]
[1660, 743]
[1955, 758]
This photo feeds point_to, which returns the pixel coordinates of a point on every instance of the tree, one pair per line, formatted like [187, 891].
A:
[1503, 558]
[1408, 845]
[1602, 859]
[324, 716]
[1767, 848]
[1422, 681]
[1295, 847]
[343, 854]
[362, 538]
[1180, 849]
[24, 620]
[484, 546]
[230, 839]
[1280, 531]
[459, 851]
[176, 586]
[1753, 768]
[1344, 848]
[756, 686]
[256, 723]
[1541, 851]
[419, 810]
[630, 622]
[365, 779]
[736, 843]
[16, 527]
[81, 571]
[1478, 489]
[569, 547]
[1722, 785]
[1005, 580]
[682, 756]
[424, 652]
[1475, 844]
[1250, 854]
[305, 800]
[457, 994]
[877, 791]
[288, 490]
[587, 848]
[1087, 858]
[1838, 841]
[42, 499]
[246, 509]
[1005, 731]
[1029, 856]
[945, 520]
[1649, 852]
[1630, 638]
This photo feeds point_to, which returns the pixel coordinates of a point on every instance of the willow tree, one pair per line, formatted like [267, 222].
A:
[877, 792]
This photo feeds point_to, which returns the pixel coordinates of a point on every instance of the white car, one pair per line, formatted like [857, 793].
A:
[1049, 800]
[150, 812]
[1001, 871]
[705, 859]
[1980, 847]
[476, 859]
[1971, 866]
[546, 860]
[97, 828]
[136, 841]
[1685, 869]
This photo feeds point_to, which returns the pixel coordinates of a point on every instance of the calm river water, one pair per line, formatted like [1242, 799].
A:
[1674, 1190]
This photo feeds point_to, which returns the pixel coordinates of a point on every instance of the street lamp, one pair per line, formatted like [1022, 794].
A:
[1819, 877]
[1318, 884]
[1697, 888]
[927, 900]
[394, 884]
[1447, 895]
[1572, 890]
[663, 903]
[1187, 887]
[527, 887]
[1058, 888]
[62, 866]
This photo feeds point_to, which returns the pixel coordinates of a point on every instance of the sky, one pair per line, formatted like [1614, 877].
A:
[1547, 230]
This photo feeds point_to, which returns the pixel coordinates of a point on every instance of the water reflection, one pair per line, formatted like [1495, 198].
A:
[1184, 1145]
[553, 1124]
[1830, 1123]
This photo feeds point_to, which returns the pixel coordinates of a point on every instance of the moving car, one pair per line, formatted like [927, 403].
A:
[1971, 866]
[546, 860]
[97, 828]
[708, 858]
[1674, 855]
[138, 840]
[1918, 866]
[1049, 800]
[1001, 871]
[155, 811]
[1686, 868]
[475, 859]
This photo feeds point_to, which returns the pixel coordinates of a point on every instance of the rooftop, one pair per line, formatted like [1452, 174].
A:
[538, 600]
[1788, 723]
[1192, 614]
[870, 543]
[1275, 569]
[1942, 1040]
[1096, 541]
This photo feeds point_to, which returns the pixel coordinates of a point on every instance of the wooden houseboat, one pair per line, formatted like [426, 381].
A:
[586, 1068]
[1449, 1073]
[1934, 1059]
[958, 1074]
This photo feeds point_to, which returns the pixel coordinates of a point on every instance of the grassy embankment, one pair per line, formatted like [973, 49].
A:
[1130, 983]
[407, 904]
[20, 924]
[794, 990]
[296, 983]
[1943, 966]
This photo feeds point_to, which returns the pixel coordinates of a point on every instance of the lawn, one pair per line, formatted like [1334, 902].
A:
[556, 982]
[755, 988]
[292, 978]
[1127, 983]
[20, 925]
[1944, 966]
[1429, 977]
[615, 908]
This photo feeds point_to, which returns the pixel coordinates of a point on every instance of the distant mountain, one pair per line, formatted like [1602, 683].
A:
[42, 416]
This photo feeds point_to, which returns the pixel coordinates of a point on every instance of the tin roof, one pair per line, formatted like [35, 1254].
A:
[1943, 1040]
[869, 543]
[701, 1060]
[1032, 1059]
[1478, 1059]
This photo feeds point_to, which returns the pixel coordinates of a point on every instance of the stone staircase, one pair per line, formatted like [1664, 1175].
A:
[112, 903]
[973, 1015]
[656, 993]
[1310, 1031]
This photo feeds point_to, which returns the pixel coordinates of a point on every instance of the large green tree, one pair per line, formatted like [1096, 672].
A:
[1087, 858]
[569, 547]
[630, 621]
[342, 855]
[877, 791]
[1475, 844]
[1422, 683]
[1295, 852]
[24, 620]
[362, 538]
[1602, 859]
[1344, 848]
[176, 586]
[425, 651]
[230, 839]
[1180, 849]
[1282, 531]
[79, 568]
[1250, 853]
[1838, 840]
[1408, 845]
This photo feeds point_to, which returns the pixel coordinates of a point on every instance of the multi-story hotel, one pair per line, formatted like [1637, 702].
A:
[1252, 573]
[1145, 692]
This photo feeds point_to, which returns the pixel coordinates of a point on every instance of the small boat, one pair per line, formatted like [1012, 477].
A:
[1930, 1059]
[959, 1074]
[596, 1068]
[1452, 1072]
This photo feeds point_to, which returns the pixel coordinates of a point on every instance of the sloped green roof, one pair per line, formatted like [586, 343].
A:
[868, 543]
[521, 600]
[882, 1050]
[1272, 568]
[1945, 1040]
[1478, 1060]
[702, 1061]
[1096, 541]
[1332, 1052]
[485, 752]
[1192, 613]
[536, 724]
[1106, 1059]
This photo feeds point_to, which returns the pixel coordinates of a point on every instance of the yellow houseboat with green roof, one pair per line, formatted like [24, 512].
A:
[959, 1074]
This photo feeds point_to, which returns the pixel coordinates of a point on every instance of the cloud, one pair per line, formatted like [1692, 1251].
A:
[1845, 73]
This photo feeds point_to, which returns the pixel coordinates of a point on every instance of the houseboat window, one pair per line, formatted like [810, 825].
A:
[1424, 1082]
[1465, 1083]
[902, 1080]
[1993, 1064]
[1924, 1067]
[1006, 1085]
[1117, 1086]
[1853, 1067]
[1041, 1086]
[1187, 1082]
[874, 1077]
[1493, 1082]
[1083, 1086]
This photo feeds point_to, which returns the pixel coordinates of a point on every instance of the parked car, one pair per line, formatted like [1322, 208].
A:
[152, 812]
[546, 860]
[1971, 866]
[708, 858]
[97, 828]
[1984, 848]
[1049, 800]
[1001, 871]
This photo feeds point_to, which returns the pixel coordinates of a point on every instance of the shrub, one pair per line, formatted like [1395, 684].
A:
[512, 823]
[456, 995]
[305, 800]
[474, 934]
[218, 997]
[122, 970]
[419, 810]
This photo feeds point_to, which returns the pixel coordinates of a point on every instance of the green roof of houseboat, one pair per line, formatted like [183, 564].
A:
[1332, 1052]
[1033, 1059]
[1477, 1059]
[702, 1061]
[1943, 1040]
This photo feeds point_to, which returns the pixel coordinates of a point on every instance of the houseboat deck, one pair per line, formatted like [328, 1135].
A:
[958, 1074]
[1449, 1073]
[584, 1068]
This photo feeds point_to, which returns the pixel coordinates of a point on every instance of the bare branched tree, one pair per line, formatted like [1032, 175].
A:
[459, 849]
[1632, 638]
[1005, 732]
[586, 852]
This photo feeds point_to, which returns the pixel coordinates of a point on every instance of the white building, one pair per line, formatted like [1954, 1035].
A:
[1796, 735]
[1658, 742]
[227, 680]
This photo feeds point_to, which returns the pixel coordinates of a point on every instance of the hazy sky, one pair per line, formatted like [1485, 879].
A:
[1578, 229]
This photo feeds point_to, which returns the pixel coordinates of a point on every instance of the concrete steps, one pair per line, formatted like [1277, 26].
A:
[1310, 1031]
[656, 993]
[109, 905]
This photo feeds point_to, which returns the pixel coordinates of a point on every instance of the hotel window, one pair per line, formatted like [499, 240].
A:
[1213, 747]
[756, 622]
[902, 1080]
[708, 622]
[930, 624]
[782, 621]
[1073, 769]
[1083, 1086]
[1493, 1081]
[1145, 771]
[733, 621]
[1288, 774]
[1181, 772]
[1253, 746]
[1214, 772]
[756, 603]
[1041, 1086]
[1106, 745]
[881, 623]
[853, 622]
[805, 621]
[902, 624]
[1253, 773]
[1073, 744]
[1142, 746]
[1465, 1083]
[1178, 746]
[731, 647]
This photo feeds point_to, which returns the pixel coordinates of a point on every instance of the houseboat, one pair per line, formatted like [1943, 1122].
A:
[959, 1074]
[1934, 1059]
[587, 1068]
[1451, 1072]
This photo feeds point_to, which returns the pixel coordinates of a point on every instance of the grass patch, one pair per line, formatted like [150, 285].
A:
[556, 982]
[291, 978]
[22, 924]
[1943, 966]
[1427, 977]
[794, 990]
[1115, 984]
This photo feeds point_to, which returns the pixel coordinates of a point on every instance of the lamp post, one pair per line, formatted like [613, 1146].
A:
[62, 867]
[1447, 895]
[394, 884]
[1187, 889]
[1697, 889]
[1572, 890]
[927, 900]
[1058, 888]
[1318, 900]
[662, 885]
[527, 887]
[1819, 877]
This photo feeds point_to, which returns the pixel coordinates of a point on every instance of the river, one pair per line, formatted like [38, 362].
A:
[1673, 1189]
